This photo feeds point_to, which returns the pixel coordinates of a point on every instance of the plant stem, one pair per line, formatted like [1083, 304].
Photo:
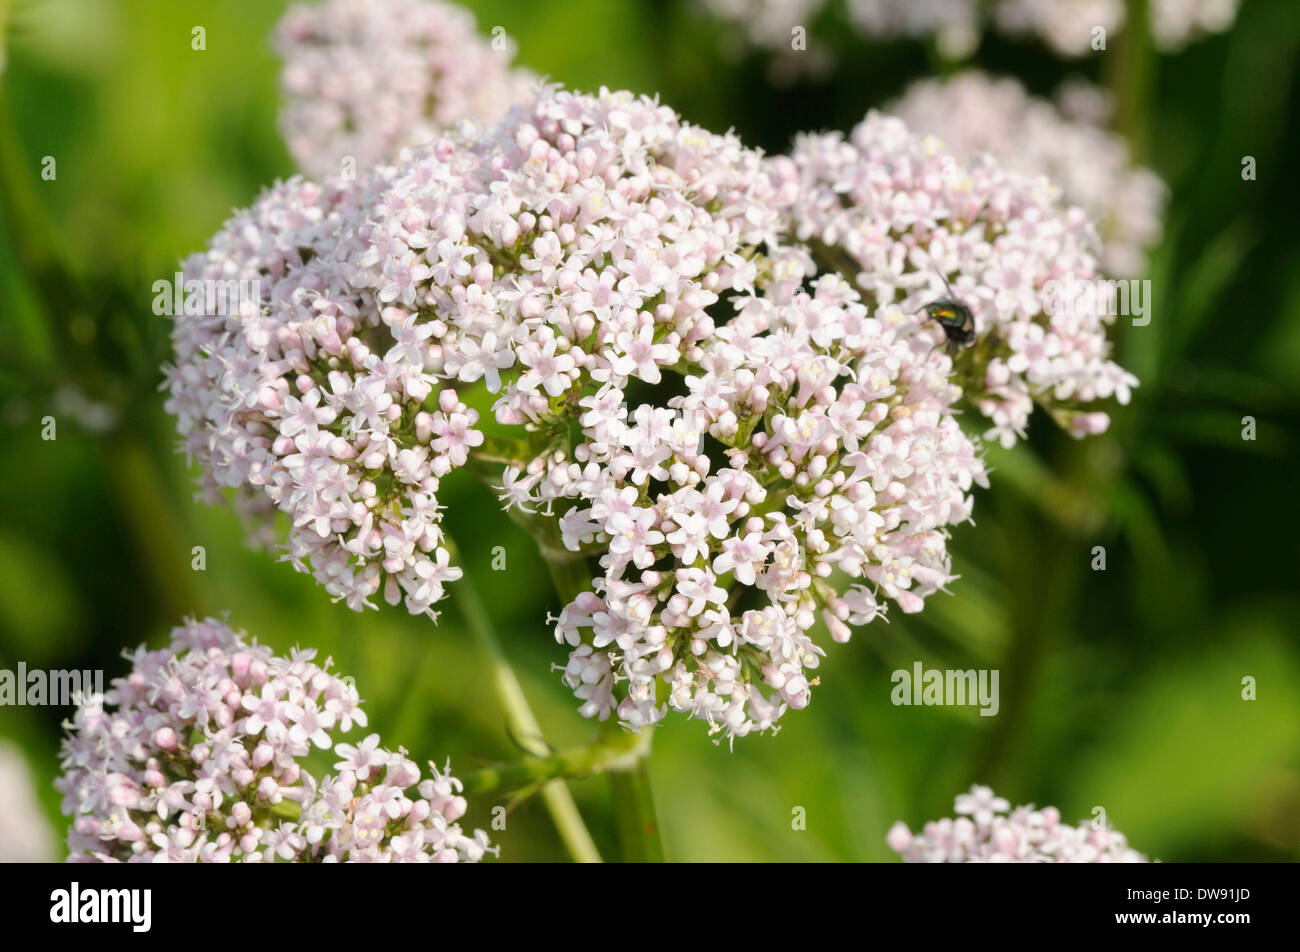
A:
[504, 451]
[630, 794]
[555, 794]
[615, 753]
[1130, 77]
[634, 808]
[569, 573]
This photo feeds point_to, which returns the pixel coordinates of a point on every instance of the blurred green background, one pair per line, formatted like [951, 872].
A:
[1119, 688]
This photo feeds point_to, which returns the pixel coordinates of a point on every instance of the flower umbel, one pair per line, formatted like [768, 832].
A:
[364, 78]
[319, 404]
[711, 360]
[198, 755]
[973, 112]
[987, 830]
[906, 221]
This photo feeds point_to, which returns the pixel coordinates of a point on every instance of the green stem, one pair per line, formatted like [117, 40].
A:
[630, 794]
[635, 818]
[504, 450]
[1129, 70]
[569, 572]
[617, 752]
[559, 801]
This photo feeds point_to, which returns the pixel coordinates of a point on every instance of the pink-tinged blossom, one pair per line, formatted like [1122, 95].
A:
[987, 830]
[1068, 27]
[1176, 23]
[707, 358]
[364, 78]
[615, 230]
[349, 441]
[973, 112]
[198, 755]
[906, 221]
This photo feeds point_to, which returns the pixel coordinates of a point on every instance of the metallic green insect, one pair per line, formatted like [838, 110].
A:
[953, 316]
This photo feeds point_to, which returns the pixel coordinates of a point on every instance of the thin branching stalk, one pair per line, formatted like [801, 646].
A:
[618, 752]
[524, 727]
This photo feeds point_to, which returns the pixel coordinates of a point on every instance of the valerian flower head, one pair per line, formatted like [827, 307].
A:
[363, 78]
[1176, 23]
[317, 403]
[973, 112]
[724, 437]
[987, 830]
[708, 357]
[910, 223]
[1077, 27]
[1070, 28]
[955, 25]
[199, 754]
[772, 25]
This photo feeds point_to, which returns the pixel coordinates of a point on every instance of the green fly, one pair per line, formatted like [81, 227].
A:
[953, 316]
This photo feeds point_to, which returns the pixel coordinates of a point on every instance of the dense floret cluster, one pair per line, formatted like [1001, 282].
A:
[909, 221]
[199, 754]
[364, 78]
[707, 365]
[1070, 28]
[973, 112]
[987, 830]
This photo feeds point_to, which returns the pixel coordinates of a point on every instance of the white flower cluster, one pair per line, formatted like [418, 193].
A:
[973, 112]
[767, 23]
[317, 402]
[198, 755]
[363, 78]
[955, 24]
[1069, 27]
[1175, 23]
[985, 832]
[906, 221]
[838, 452]
[770, 24]
[748, 441]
